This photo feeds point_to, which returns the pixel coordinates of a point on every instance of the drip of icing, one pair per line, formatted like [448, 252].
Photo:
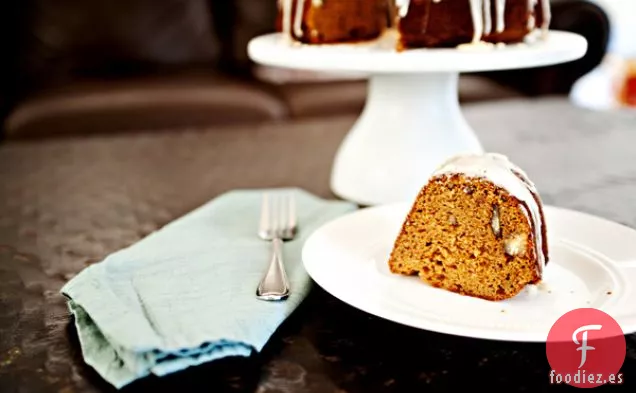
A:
[286, 6]
[497, 169]
[547, 16]
[478, 22]
[403, 7]
[291, 22]
[478, 46]
[500, 10]
[487, 16]
[298, 18]
[531, 20]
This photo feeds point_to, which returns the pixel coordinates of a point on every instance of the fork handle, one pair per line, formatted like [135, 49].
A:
[274, 285]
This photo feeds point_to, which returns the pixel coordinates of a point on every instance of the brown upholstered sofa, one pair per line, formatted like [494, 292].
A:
[104, 66]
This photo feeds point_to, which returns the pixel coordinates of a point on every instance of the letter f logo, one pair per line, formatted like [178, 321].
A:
[584, 347]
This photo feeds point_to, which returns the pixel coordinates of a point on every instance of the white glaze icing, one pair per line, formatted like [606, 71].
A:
[476, 8]
[286, 8]
[500, 12]
[476, 47]
[298, 18]
[498, 169]
[403, 7]
[487, 17]
[531, 20]
[547, 16]
[293, 19]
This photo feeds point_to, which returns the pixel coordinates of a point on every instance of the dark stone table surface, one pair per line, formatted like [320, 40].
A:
[67, 203]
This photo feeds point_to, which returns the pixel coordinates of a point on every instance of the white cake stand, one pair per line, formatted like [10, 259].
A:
[412, 120]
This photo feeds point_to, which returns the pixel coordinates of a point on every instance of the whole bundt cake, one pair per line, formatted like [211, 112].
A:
[419, 23]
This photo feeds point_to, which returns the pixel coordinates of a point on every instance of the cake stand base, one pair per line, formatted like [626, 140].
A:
[410, 124]
[412, 121]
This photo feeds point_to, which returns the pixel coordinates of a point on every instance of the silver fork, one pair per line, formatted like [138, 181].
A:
[278, 223]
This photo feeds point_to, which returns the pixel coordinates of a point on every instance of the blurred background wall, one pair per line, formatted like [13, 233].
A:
[76, 66]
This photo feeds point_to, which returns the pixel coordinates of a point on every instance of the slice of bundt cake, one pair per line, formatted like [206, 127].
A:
[476, 228]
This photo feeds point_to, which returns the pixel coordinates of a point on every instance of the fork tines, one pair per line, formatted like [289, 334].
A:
[278, 215]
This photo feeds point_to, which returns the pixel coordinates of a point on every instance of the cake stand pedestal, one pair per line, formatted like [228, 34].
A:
[412, 120]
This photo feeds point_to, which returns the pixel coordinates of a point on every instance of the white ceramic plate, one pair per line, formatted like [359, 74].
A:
[592, 264]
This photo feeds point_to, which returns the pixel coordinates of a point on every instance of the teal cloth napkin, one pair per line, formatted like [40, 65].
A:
[185, 294]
